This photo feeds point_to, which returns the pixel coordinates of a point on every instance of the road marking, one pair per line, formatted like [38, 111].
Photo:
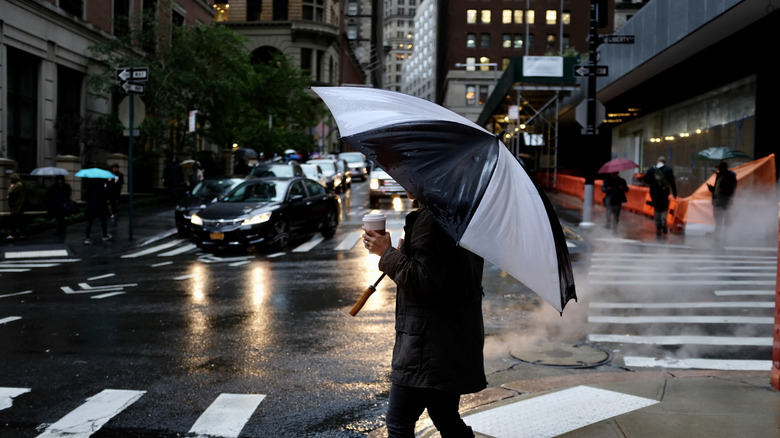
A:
[157, 265]
[27, 265]
[110, 294]
[683, 340]
[227, 415]
[7, 396]
[16, 293]
[153, 249]
[725, 304]
[36, 254]
[725, 293]
[243, 262]
[349, 241]
[184, 277]
[99, 277]
[530, 418]
[86, 286]
[703, 364]
[92, 415]
[8, 271]
[701, 282]
[681, 319]
[177, 251]
[314, 241]
[8, 319]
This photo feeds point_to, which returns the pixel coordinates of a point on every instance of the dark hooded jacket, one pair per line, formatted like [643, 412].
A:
[660, 195]
[439, 327]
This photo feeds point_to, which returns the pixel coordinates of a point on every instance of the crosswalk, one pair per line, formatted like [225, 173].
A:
[683, 309]
[225, 417]
[346, 241]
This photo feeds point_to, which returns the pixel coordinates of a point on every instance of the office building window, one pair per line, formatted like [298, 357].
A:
[518, 16]
[352, 8]
[22, 100]
[471, 95]
[566, 17]
[69, 84]
[74, 7]
[280, 8]
[506, 16]
[483, 95]
[254, 10]
[505, 63]
[551, 16]
[506, 41]
[471, 40]
[352, 32]
[313, 10]
[551, 41]
[484, 16]
[121, 18]
[530, 16]
[484, 40]
[470, 61]
[518, 42]
[471, 16]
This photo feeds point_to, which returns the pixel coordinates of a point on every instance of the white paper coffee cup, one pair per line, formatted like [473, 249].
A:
[375, 222]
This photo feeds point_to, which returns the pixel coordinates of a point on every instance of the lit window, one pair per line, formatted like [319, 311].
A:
[470, 61]
[471, 95]
[506, 41]
[485, 16]
[551, 16]
[471, 40]
[518, 43]
[550, 41]
[566, 17]
[506, 16]
[484, 60]
[471, 16]
[530, 16]
[518, 15]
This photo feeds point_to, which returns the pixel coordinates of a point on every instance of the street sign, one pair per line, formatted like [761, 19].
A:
[591, 70]
[581, 116]
[132, 74]
[132, 88]
[139, 112]
[617, 39]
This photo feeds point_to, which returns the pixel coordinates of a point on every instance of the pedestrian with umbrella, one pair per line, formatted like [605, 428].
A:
[615, 189]
[660, 179]
[476, 203]
[722, 194]
[96, 207]
[16, 203]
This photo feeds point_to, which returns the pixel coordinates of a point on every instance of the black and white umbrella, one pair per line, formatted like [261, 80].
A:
[476, 189]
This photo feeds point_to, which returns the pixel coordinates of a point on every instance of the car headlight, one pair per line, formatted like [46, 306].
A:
[374, 185]
[257, 219]
[196, 220]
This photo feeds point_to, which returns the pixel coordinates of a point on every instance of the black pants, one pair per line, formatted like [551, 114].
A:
[91, 216]
[407, 404]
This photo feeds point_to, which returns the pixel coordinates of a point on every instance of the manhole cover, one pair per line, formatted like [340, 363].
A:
[560, 354]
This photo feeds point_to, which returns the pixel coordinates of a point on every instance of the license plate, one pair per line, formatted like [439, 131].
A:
[217, 236]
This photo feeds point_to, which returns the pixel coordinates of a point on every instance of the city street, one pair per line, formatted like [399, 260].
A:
[156, 338]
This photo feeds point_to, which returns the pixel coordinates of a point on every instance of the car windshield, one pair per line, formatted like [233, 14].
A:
[328, 167]
[214, 187]
[352, 157]
[263, 191]
[310, 171]
[279, 170]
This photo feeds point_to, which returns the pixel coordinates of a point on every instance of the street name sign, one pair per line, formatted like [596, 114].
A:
[132, 88]
[617, 39]
[591, 70]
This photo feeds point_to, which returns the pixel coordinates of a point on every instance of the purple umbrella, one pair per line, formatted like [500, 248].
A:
[617, 165]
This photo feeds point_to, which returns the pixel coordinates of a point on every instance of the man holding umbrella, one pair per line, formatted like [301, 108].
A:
[439, 327]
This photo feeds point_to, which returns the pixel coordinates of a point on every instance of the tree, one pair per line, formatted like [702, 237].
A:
[208, 68]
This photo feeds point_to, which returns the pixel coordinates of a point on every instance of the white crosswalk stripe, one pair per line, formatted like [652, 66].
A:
[636, 322]
[224, 418]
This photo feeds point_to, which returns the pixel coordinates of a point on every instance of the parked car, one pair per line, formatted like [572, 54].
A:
[333, 177]
[382, 186]
[357, 163]
[314, 171]
[267, 211]
[276, 169]
[204, 193]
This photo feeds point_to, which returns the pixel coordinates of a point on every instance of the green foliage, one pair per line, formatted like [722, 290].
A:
[208, 68]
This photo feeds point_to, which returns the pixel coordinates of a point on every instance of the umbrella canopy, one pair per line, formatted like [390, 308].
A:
[245, 153]
[95, 172]
[476, 189]
[617, 165]
[721, 153]
[49, 171]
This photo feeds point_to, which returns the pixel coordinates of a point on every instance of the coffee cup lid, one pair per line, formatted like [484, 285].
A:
[373, 217]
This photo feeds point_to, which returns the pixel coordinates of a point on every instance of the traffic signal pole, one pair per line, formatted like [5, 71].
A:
[590, 128]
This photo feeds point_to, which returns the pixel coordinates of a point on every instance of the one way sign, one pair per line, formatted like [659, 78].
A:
[132, 74]
[591, 70]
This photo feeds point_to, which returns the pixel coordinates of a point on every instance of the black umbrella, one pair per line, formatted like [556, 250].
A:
[245, 153]
[476, 189]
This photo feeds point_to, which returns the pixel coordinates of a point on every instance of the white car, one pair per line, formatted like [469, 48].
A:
[314, 171]
[357, 163]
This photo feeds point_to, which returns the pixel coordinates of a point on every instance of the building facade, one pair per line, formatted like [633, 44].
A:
[419, 70]
[398, 37]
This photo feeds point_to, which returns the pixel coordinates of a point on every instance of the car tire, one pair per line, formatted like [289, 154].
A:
[280, 235]
[330, 226]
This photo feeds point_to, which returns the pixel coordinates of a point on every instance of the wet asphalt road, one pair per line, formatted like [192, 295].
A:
[179, 328]
[184, 329]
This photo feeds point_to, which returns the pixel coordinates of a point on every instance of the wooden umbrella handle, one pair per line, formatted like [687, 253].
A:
[363, 298]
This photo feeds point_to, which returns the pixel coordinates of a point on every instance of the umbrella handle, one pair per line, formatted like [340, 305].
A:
[363, 298]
